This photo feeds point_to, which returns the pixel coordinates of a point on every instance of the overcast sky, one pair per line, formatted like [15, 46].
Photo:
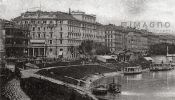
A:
[107, 11]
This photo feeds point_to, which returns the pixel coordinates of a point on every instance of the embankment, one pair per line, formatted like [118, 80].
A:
[39, 89]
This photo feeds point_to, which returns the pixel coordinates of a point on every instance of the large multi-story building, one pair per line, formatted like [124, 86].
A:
[16, 40]
[2, 42]
[53, 34]
[100, 34]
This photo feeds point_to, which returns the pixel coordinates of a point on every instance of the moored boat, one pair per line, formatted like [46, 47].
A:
[114, 87]
[100, 90]
[132, 70]
[161, 67]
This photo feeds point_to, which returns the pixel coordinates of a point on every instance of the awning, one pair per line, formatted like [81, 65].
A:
[37, 41]
[119, 52]
[148, 58]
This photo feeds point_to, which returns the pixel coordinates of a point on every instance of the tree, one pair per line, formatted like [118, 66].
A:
[89, 47]
[161, 49]
[101, 49]
[85, 47]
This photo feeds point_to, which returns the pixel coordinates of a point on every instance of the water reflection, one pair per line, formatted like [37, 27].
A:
[147, 86]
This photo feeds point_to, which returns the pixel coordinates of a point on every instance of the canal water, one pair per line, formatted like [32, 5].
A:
[146, 86]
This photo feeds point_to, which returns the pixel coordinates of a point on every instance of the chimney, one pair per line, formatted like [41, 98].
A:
[69, 11]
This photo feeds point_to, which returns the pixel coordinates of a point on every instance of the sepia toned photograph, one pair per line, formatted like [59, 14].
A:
[87, 50]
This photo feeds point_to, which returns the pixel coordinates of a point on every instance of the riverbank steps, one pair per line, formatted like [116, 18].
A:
[13, 91]
[78, 72]
[40, 89]
[97, 80]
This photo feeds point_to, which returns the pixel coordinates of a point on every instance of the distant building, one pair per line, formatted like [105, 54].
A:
[152, 39]
[170, 39]
[136, 42]
[119, 39]
[53, 34]
[83, 16]
[157, 39]
[115, 38]
[100, 34]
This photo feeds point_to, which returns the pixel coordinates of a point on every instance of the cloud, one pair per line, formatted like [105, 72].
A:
[107, 11]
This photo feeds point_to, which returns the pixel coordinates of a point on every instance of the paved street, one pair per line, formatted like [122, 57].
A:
[13, 91]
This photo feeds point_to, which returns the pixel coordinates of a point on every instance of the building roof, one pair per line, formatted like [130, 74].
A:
[113, 27]
[125, 29]
[65, 16]
[82, 13]
[53, 15]
[107, 57]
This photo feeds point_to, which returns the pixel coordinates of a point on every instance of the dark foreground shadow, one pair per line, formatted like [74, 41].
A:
[39, 89]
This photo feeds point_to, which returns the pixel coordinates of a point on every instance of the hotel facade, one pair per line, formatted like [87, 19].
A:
[53, 34]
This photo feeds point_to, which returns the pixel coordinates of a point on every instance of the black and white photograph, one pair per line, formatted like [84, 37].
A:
[87, 50]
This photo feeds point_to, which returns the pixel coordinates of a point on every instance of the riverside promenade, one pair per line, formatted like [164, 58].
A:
[80, 90]
[13, 89]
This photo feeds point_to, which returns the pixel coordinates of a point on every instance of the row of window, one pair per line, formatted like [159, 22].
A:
[110, 32]
[58, 22]
[74, 34]
[109, 36]
[39, 35]
[84, 35]
[74, 29]
[80, 25]
[42, 22]
[88, 35]
[43, 35]
[102, 37]
[44, 28]
[74, 41]
[51, 41]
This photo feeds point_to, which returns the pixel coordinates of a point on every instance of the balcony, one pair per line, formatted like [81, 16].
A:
[16, 45]
[17, 37]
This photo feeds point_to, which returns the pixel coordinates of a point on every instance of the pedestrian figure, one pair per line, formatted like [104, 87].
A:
[17, 72]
